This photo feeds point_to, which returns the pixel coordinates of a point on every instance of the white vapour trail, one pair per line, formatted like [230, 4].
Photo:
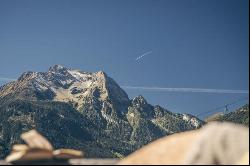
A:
[192, 90]
[149, 52]
[7, 79]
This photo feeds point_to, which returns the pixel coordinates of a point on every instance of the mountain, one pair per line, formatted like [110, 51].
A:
[85, 111]
[239, 116]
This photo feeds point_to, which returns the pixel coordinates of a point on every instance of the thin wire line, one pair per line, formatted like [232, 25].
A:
[220, 107]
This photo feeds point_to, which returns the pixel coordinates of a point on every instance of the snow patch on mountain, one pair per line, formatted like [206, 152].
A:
[192, 120]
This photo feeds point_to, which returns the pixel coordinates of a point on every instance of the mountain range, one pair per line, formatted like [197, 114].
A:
[85, 111]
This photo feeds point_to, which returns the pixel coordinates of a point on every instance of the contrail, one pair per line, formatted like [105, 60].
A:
[192, 90]
[149, 52]
[7, 79]
[163, 89]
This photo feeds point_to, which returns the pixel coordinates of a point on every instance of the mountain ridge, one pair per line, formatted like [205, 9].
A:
[84, 104]
[238, 116]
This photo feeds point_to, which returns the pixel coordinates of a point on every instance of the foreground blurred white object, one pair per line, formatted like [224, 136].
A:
[215, 143]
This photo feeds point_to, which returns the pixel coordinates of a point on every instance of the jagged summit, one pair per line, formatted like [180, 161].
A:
[139, 100]
[66, 85]
[58, 69]
[27, 75]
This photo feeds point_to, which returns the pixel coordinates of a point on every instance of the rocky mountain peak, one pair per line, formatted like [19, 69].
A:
[67, 85]
[57, 68]
[101, 74]
[87, 107]
[27, 75]
[140, 105]
[139, 100]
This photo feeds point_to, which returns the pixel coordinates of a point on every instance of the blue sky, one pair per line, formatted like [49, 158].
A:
[191, 44]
